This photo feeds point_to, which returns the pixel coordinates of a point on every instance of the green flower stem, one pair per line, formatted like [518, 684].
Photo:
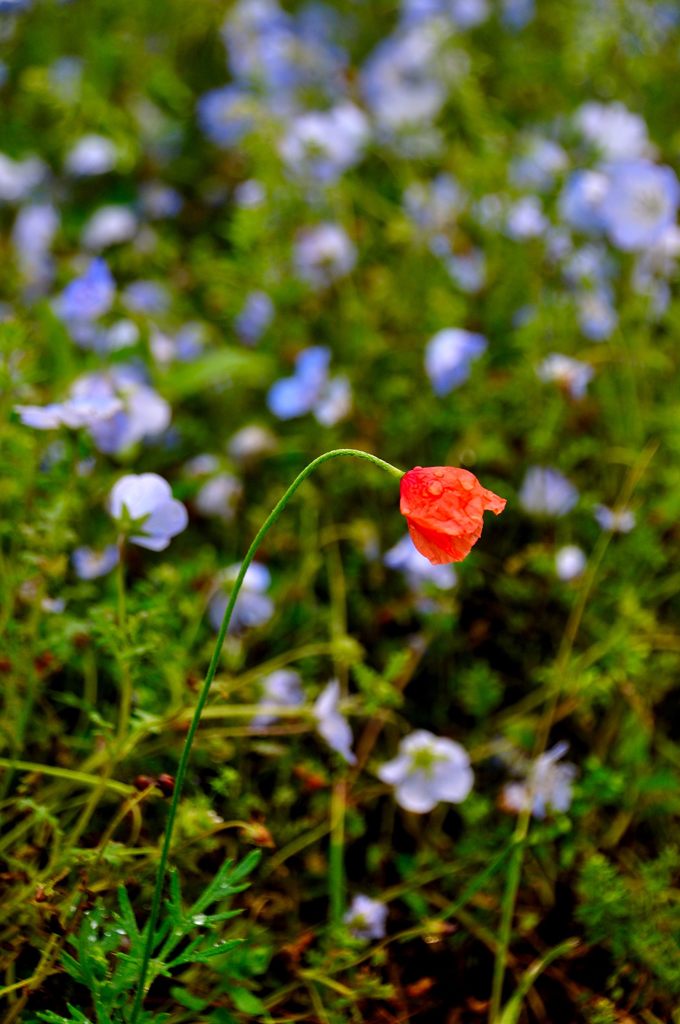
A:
[123, 658]
[77, 778]
[205, 689]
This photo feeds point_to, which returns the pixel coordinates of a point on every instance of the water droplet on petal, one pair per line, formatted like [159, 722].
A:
[435, 488]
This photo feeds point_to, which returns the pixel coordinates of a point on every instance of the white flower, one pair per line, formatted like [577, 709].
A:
[416, 568]
[219, 497]
[547, 786]
[280, 689]
[331, 724]
[428, 769]
[92, 154]
[366, 918]
[253, 607]
[572, 374]
[570, 561]
[146, 500]
[620, 520]
[90, 564]
[109, 225]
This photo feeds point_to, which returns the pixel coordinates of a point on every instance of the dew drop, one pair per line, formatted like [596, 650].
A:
[435, 488]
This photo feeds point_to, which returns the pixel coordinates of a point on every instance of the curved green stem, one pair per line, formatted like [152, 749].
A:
[205, 689]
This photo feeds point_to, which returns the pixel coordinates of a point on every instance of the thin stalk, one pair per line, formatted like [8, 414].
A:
[205, 690]
[123, 660]
[336, 852]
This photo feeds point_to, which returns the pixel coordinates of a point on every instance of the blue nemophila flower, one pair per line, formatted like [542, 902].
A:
[81, 410]
[589, 266]
[144, 508]
[310, 389]
[467, 270]
[90, 564]
[92, 155]
[112, 224]
[255, 317]
[18, 178]
[538, 166]
[463, 14]
[280, 689]
[596, 314]
[281, 55]
[581, 200]
[250, 194]
[641, 202]
[654, 267]
[158, 200]
[250, 443]
[570, 562]
[366, 918]
[571, 374]
[87, 297]
[404, 80]
[146, 297]
[428, 769]
[226, 114]
[417, 569]
[613, 130]
[620, 520]
[546, 492]
[547, 785]
[322, 254]
[322, 144]
[517, 14]
[34, 229]
[434, 206]
[331, 723]
[144, 414]
[253, 606]
[525, 219]
[219, 497]
[449, 356]
[184, 345]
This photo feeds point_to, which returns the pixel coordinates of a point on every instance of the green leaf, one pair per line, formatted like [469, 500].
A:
[247, 1002]
[218, 369]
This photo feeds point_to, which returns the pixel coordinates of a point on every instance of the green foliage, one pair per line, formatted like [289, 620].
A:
[108, 947]
[635, 914]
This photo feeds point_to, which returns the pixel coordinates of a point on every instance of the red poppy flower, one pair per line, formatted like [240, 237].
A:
[444, 507]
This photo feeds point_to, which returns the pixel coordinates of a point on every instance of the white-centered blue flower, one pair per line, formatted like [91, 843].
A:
[570, 562]
[620, 520]
[546, 492]
[331, 723]
[253, 605]
[640, 204]
[320, 145]
[322, 254]
[417, 569]
[90, 564]
[547, 786]
[144, 504]
[92, 155]
[280, 689]
[571, 374]
[428, 769]
[366, 918]
[613, 130]
[449, 356]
